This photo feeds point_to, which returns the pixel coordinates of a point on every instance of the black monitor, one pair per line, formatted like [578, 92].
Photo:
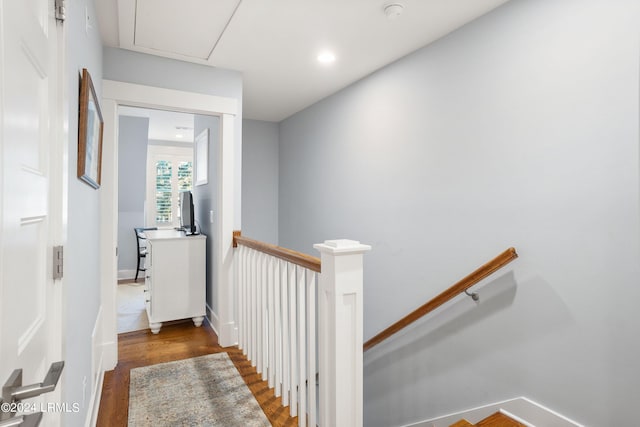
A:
[187, 220]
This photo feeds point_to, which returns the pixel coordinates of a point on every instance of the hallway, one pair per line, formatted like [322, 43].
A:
[180, 340]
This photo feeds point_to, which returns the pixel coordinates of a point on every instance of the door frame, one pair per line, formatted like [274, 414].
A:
[115, 93]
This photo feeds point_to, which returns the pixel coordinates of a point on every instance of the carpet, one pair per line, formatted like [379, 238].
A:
[202, 391]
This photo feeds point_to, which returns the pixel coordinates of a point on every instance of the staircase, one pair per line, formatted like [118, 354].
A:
[497, 419]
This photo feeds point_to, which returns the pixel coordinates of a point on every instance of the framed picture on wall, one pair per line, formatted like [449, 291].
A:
[90, 128]
[202, 158]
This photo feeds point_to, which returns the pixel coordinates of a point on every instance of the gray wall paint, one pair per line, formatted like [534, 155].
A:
[205, 199]
[82, 249]
[260, 180]
[132, 178]
[139, 68]
[519, 129]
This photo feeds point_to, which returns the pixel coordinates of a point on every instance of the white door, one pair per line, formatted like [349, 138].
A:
[30, 110]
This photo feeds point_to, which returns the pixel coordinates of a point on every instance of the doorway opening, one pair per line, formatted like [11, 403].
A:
[155, 163]
[219, 259]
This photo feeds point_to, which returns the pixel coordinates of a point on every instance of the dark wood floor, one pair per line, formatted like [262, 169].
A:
[175, 342]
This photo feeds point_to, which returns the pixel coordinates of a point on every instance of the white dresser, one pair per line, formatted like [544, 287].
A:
[175, 277]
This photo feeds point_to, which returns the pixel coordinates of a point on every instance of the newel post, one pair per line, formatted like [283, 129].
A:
[340, 324]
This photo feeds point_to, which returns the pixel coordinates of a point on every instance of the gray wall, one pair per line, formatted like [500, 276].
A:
[205, 199]
[82, 248]
[139, 68]
[519, 129]
[133, 133]
[260, 180]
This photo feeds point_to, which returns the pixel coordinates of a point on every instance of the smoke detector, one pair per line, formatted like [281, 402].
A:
[393, 10]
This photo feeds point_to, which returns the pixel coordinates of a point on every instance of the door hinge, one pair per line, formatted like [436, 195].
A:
[58, 262]
[60, 10]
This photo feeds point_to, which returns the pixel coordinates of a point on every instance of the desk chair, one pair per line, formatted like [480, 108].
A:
[142, 247]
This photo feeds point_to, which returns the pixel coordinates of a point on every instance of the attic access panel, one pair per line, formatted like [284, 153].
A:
[189, 27]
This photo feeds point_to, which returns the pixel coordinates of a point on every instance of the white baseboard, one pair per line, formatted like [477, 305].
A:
[212, 318]
[522, 409]
[227, 333]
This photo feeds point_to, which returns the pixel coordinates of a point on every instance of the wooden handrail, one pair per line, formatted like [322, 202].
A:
[298, 258]
[486, 270]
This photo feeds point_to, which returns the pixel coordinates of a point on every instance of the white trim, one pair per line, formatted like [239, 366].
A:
[212, 318]
[94, 405]
[223, 245]
[516, 418]
[521, 408]
[154, 97]
[119, 93]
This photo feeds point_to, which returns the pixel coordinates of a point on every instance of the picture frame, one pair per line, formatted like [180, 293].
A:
[202, 158]
[90, 129]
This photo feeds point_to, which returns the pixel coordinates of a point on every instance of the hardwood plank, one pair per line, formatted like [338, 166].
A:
[461, 423]
[177, 341]
[499, 420]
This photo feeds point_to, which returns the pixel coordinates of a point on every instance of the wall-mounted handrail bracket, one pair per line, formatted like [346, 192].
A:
[461, 286]
[474, 295]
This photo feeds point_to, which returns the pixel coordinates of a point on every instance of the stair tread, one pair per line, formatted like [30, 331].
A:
[499, 420]
[462, 423]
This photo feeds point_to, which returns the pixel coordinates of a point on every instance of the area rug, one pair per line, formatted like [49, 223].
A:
[203, 391]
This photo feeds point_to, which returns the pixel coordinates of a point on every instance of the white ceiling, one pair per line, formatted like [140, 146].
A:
[163, 125]
[275, 43]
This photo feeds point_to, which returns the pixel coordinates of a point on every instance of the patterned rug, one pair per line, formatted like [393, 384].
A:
[203, 391]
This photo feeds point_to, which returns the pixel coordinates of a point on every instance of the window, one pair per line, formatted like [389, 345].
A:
[163, 192]
[169, 171]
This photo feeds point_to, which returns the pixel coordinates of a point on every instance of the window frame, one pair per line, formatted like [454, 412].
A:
[175, 155]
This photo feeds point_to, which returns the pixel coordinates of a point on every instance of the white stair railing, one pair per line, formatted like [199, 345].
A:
[290, 337]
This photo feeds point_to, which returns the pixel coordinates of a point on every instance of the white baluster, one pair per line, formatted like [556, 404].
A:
[245, 296]
[293, 359]
[302, 346]
[265, 318]
[247, 304]
[254, 308]
[272, 322]
[239, 281]
[286, 343]
[260, 313]
[278, 327]
[311, 352]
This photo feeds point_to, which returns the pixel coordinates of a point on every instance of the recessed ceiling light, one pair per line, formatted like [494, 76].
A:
[179, 135]
[326, 57]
